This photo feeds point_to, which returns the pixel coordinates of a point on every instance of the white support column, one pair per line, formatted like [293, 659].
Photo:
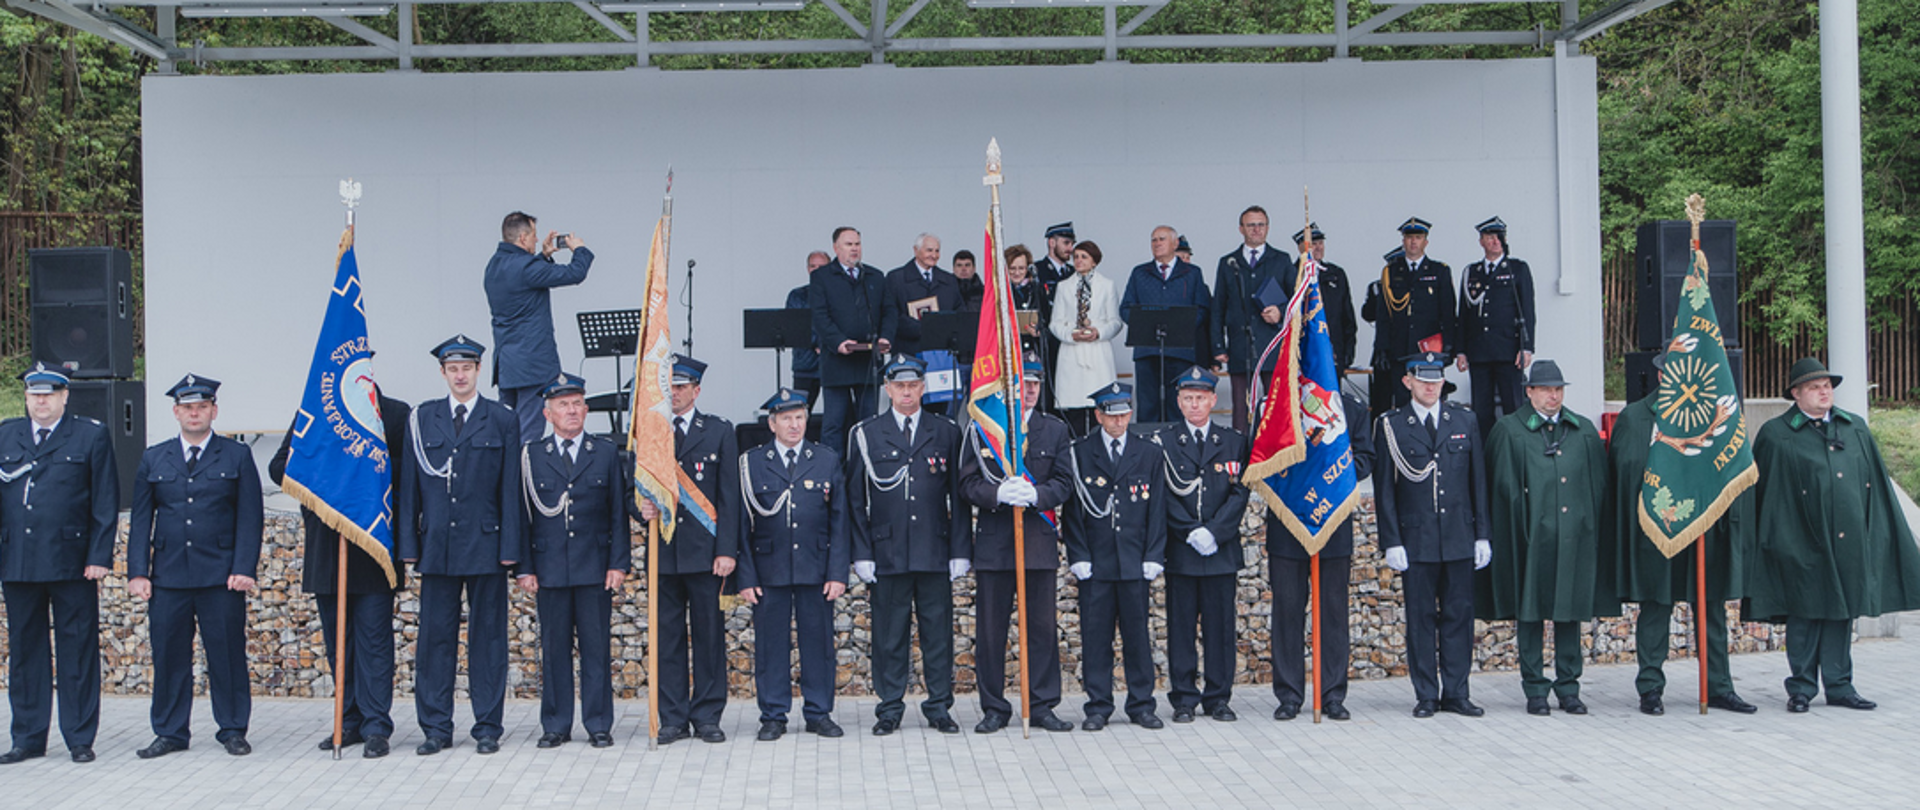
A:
[1110, 30]
[164, 20]
[1846, 237]
[642, 41]
[403, 43]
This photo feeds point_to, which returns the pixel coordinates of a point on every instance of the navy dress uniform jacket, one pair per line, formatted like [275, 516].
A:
[1118, 521]
[1047, 465]
[1437, 519]
[1496, 311]
[517, 284]
[708, 454]
[590, 537]
[805, 540]
[1414, 305]
[468, 523]
[1336, 300]
[1236, 306]
[1218, 501]
[905, 286]
[1186, 285]
[917, 523]
[806, 359]
[320, 564]
[195, 529]
[844, 310]
[68, 519]
[1280, 543]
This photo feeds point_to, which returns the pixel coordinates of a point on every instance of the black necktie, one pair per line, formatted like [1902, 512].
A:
[1433, 430]
[566, 452]
[41, 436]
[1199, 436]
[1114, 450]
[193, 458]
[927, 276]
[792, 456]
[680, 424]
[909, 428]
[1253, 257]
[459, 418]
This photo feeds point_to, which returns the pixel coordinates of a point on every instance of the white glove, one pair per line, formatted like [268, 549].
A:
[1202, 541]
[1151, 570]
[958, 567]
[1397, 558]
[1082, 571]
[1482, 554]
[864, 570]
[1017, 492]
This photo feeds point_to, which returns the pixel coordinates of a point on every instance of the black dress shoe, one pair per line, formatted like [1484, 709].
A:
[1093, 723]
[1182, 714]
[1336, 710]
[433, 745]
[1286, 711]
[1797, 704]
[21, 755]
[1425, 708]
[710, 734]
[886, 726]
[825, 727]
[600, 739]
[771, 730]
[80, 753]
[487, 745]
[944, 724]
[994, 721]
[671, 736]
[1223, 713]
[346, 739]
[161, 747]
[1147, 720]
[1571, 704]
[376, 747]
[1538, 706]
[1650, 703]
[1052, 722]
[237, 746]
[555, 740]
[1852, 702]
[1732, 702]
[1462, 707]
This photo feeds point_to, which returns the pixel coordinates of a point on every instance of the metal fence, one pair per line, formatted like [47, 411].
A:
[21, 231]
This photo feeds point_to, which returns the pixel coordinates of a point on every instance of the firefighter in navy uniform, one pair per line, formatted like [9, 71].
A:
[1431, 506]
[794, 566]
[912, 536]
[193, 544]
[1496, 326]
[1116, 547]
[1336, 295]
[59, 499]
[1414, 312]
[695, 565]
[580, 548]
[1205, 501]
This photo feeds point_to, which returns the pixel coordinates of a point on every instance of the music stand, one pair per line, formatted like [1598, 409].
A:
[777, 329]
[611, 333]
[956, 332]
[1163, 328]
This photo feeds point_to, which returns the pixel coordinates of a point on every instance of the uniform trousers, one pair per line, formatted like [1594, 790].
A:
[1103, 605]
[846, 405]
[74, 607]
[783, 613]
[221, 615]
[1653, 636]
[438, 652]
[1290, 620]
[581, 615]
[1568, 659]
[690, 617]
[994, 596]
[368, 701]
[1205, 602]
[1439, 620]
[897, 600]
[529, 409]
[1819, 654]
[1496, 391]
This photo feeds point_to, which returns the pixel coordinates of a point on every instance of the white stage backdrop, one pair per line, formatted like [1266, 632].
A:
[242, 214]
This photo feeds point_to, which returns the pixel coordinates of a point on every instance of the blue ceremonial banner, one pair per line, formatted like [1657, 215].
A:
[338, 463]
[1302, 463]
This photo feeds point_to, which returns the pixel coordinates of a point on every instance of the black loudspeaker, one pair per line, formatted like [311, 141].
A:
[1643, 378]
[1660, 265]
[121, 406]
[83, 309]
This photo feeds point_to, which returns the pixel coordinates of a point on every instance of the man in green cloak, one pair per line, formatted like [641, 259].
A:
[1547, 470]
[1834, 544]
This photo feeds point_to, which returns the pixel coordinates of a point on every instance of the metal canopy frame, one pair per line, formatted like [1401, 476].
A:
[875, 36]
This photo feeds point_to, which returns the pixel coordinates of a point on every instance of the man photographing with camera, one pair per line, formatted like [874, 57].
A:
[519, 275]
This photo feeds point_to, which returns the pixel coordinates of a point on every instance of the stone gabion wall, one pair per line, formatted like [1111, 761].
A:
[288, 660]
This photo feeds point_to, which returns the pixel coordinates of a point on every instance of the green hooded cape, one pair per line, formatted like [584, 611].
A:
[1551, 561]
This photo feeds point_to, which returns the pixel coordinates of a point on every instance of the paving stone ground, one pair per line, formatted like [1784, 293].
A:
[1613, 758]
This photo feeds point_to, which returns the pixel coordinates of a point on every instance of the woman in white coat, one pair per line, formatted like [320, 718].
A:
[1086, 317]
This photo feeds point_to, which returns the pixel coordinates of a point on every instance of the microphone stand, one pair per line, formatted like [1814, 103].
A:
[687, 344]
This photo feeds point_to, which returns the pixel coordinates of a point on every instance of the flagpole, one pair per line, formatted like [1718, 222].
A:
[653, 635]
[1699, 543]
[340, 592]
[1313, 578]
[1011, 361]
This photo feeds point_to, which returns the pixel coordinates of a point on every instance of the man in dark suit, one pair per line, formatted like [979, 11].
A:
[59, 498]
[1205, 501]
[806, 360]
[1336, 296]
[1431, 508]
[794, 567]
[1115, 550]
[575, 492]
[911, 284]
[1496, 325]
[853, 317]
[1414, 312]
[1243, 324]
[1289, 571]
[368, 714]
[459, 525]
[694, 566]
[1057, 265]
[1047, 487]
[912, 536]
[972, 288]
[1165, 282]
[518, 278]
[193, 545]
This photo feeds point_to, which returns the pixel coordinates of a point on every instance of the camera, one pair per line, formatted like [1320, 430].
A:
[560, 240]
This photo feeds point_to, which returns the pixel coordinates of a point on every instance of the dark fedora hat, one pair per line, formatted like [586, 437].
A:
[1806, 370]
[1545, 374]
